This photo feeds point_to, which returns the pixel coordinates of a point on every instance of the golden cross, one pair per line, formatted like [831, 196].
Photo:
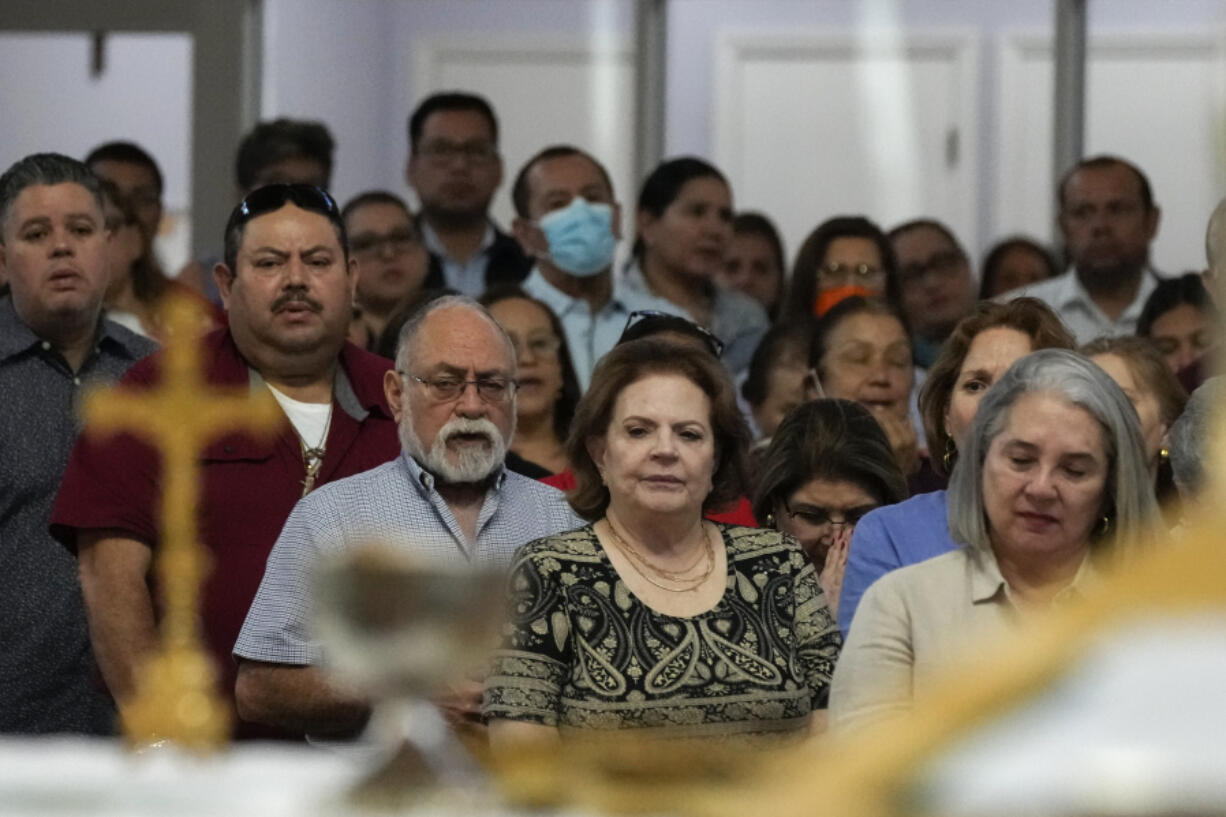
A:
[176, 688]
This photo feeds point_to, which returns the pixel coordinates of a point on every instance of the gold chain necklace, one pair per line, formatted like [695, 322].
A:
[644, 567]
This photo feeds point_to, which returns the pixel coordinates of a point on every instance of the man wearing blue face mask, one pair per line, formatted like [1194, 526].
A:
[568, 221]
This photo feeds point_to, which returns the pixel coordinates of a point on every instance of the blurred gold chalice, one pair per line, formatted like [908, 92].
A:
[401, 630]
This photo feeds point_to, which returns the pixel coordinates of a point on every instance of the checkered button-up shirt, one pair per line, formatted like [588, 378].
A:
[395, 503]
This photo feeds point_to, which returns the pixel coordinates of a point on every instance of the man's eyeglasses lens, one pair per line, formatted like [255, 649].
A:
[375, 245]
[489, 389]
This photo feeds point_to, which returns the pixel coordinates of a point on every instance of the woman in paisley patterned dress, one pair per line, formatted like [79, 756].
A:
[651, 616]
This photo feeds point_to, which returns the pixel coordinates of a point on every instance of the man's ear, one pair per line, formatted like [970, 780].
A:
[4, 268]
[223, 276]
[1153, 219]
[393, 390]
[352, 272]
[529, 236]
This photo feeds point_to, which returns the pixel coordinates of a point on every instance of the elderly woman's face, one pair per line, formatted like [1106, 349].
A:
[1153, 429]
[869, 361]
[658, 454]
[1044, 478]
[990, 355]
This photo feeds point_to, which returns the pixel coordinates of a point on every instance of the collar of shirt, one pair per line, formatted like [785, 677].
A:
[357, 385]
[435, 245]
[424, 481]
[988, 585]
[16, 337]
[1069, 292]
[563, 304]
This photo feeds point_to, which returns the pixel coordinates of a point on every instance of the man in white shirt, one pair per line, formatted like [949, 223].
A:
[569, 221]
[1108, 219]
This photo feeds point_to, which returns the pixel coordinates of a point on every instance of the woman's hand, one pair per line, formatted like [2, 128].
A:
[831, 578]
[903, 441]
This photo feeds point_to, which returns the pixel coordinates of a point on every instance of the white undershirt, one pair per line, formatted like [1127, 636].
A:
[310, 420]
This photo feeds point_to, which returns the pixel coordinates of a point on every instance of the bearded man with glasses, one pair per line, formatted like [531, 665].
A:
[287, 284]
[448, 498]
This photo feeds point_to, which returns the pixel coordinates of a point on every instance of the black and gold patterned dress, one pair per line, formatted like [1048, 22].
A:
[583, 652]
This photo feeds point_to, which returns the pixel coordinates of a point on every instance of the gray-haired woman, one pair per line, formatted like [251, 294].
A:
[1052, 485]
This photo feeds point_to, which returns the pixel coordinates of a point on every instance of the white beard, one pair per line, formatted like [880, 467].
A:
[472, 463]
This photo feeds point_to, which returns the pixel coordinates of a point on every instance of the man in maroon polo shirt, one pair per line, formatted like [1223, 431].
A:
[287, 284]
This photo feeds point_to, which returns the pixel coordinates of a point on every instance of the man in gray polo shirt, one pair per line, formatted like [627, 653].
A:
[448, 498]
[53, 343]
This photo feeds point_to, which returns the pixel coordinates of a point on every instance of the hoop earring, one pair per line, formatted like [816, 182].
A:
[1105, 527]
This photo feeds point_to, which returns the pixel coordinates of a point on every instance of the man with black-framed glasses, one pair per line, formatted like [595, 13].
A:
[455, 168]
[287, 283]
[448, 499]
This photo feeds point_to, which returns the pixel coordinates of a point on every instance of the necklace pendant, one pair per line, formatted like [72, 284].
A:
[313, 464]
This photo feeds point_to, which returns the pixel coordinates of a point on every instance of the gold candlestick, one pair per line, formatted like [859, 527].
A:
[176, 688]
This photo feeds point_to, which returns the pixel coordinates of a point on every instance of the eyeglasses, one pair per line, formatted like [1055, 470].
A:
[538, 345]
[373, 245]
[445, 388]
[651, 321]
[443, 152]
[943, 264]
[820, 518]
[829, 275]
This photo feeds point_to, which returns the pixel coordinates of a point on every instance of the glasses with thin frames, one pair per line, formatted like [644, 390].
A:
[372, 245]
[829, 275]
[446, 388]
[820, 519]
[443, 152]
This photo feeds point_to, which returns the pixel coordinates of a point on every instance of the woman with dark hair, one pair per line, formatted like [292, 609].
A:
[1052, 491]
[775, 382]
[1181, 320]
[1013, 263]
[828, 464]
[684, 223]
[845, 255]
[755, 262]
[861, 351]
[978, 352]
[137, 286]
[548, 389]
[651, 616]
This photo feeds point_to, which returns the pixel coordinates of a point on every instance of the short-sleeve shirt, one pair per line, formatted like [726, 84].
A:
[583, 652]
[395, 503]
[46, 666]
[249, 485]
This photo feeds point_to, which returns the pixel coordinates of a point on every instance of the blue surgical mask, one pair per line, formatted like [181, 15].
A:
[580, 237]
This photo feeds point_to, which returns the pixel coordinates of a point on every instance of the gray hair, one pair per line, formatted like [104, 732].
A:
[1188, 439]
[1129, 503]
[408, 332]
[43, 168]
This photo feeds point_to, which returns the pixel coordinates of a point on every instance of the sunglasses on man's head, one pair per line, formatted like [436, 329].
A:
[275, 196]
[651, 321]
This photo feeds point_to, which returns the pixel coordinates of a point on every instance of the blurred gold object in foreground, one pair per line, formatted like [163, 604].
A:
[867, 773]
[177, 696]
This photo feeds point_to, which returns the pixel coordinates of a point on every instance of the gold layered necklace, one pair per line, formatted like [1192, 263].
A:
[646, 569]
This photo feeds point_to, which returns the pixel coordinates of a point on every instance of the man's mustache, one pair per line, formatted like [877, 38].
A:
[296, 296]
